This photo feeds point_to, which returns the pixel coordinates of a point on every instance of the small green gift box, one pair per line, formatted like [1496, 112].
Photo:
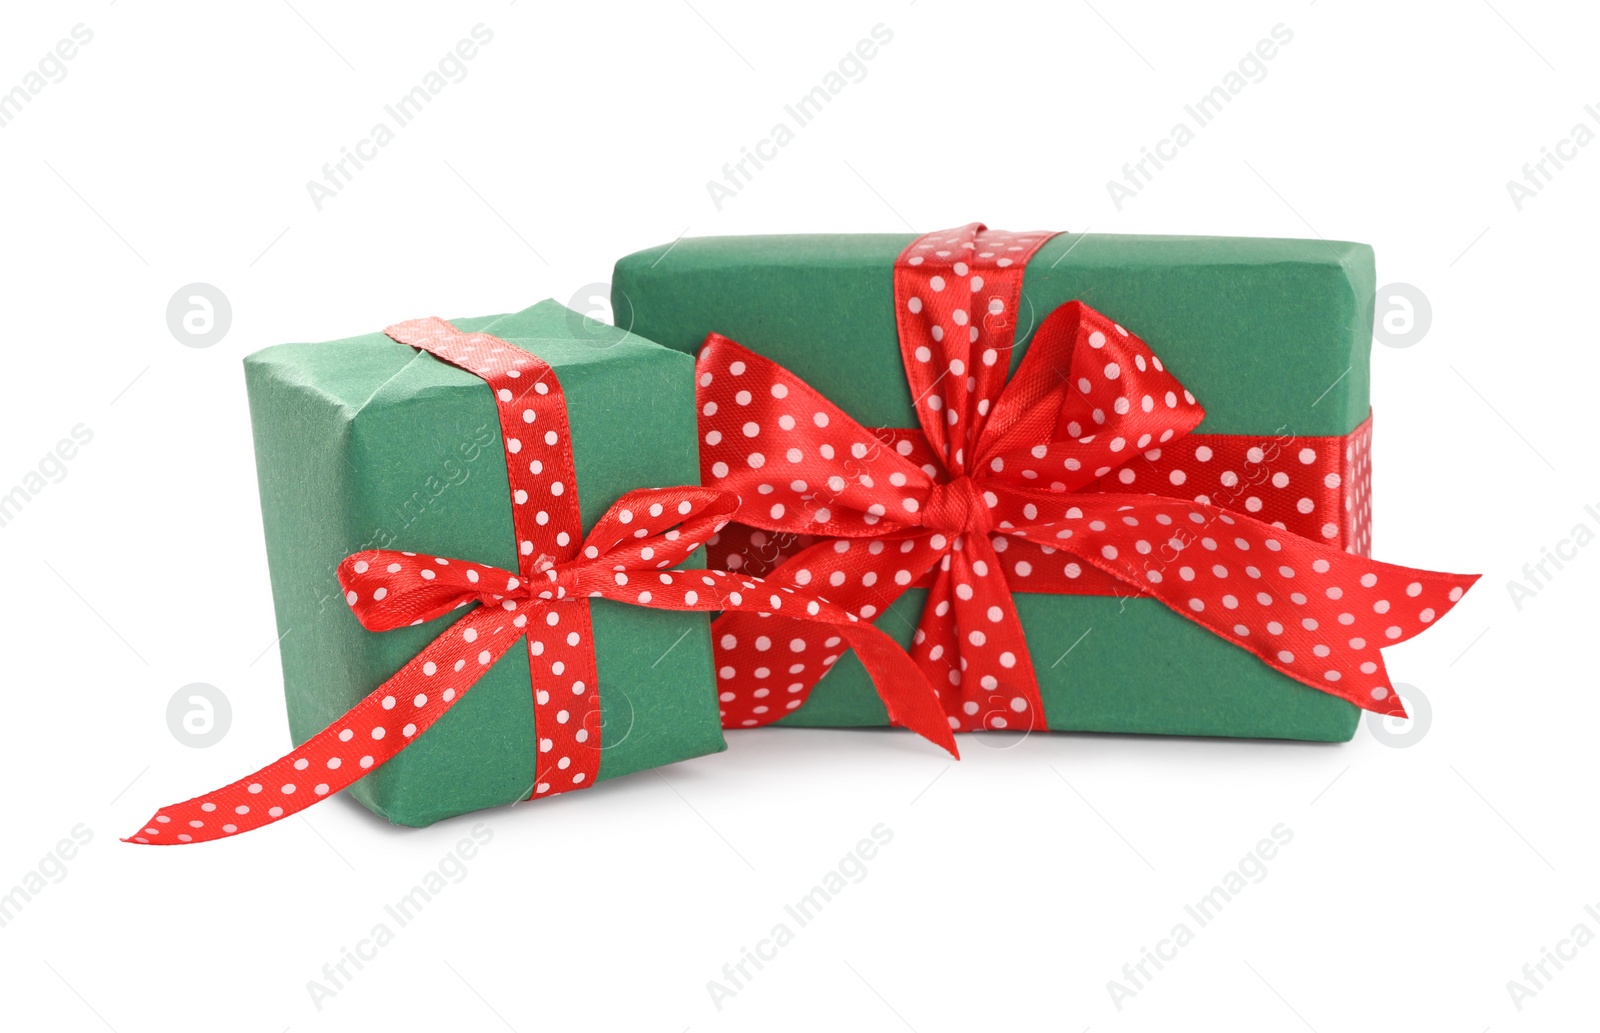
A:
[366, 443]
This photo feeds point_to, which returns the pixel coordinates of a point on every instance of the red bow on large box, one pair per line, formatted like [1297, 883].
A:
[1014, 464]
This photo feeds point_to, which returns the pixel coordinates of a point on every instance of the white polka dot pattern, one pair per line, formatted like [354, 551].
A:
[545, 517]
[1011, 483]
[956, 298]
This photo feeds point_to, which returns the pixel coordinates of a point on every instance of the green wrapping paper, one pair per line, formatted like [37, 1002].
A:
[1273, 337]
[366, 443]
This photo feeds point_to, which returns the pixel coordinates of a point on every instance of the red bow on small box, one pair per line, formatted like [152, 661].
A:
[625, 557]
[1003, 463]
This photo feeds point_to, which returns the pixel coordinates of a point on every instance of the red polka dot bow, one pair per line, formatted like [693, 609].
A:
[545, 603]
[1015, 463]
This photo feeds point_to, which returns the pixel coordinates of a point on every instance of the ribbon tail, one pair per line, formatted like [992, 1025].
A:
[767, 666]
[1308, 610]
[367, 736]
[971, 645]
[756, 687]
[901, 685]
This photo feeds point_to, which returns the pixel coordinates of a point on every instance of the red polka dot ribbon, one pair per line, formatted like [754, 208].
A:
[1315, 487]
[545, 603]
[1043, 470]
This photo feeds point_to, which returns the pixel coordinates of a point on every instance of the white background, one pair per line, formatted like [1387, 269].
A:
[1419, 881]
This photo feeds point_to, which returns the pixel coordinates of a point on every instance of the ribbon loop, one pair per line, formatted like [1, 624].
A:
[648, 529]
[386, 589]
[791, 453]
[1087, 398]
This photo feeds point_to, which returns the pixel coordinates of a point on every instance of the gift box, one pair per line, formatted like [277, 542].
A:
[370, 444]
[1272, 336]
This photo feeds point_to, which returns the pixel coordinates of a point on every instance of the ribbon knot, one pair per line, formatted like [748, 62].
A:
[552, 581]
[388, 589]
[956, 507]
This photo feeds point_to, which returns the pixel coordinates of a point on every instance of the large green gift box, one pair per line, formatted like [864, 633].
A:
[1272, 336]
[366, 443]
